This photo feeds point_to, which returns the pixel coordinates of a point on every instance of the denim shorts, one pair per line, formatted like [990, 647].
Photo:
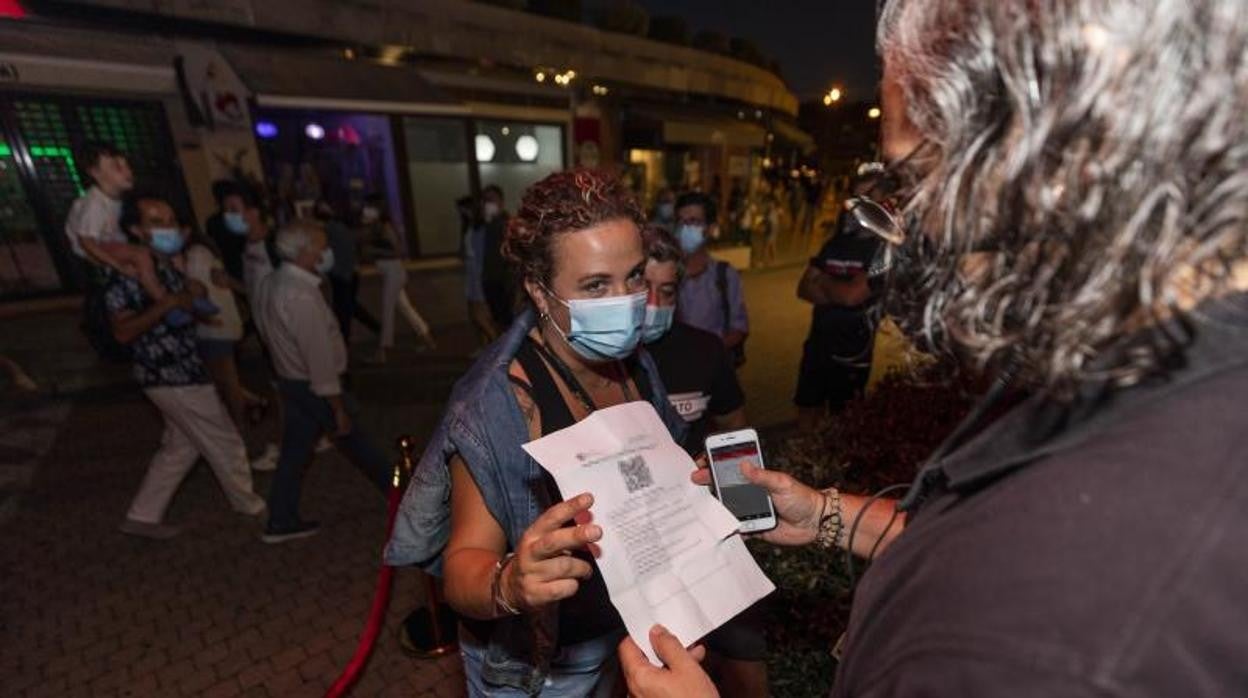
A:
[584, 670]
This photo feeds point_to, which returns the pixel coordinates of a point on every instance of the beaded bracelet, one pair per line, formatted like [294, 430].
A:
[830, 524]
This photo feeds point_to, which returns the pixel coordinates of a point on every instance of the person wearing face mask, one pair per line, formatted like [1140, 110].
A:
[167, 365]
[536, 616]
[227, 226]
[309, 357]
[382, 246]
[702, 385]
[344, 280]
[664, 214]
[498, 281]
[218, 342]
[711, 297]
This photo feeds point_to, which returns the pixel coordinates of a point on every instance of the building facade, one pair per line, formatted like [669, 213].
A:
[418, 103]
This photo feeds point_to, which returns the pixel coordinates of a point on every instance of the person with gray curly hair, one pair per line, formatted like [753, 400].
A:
[309, 357]
[1076, 223]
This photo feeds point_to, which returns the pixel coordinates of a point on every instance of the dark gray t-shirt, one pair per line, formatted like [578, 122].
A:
[1091, 549]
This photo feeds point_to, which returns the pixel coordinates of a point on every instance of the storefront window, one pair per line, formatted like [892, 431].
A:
[437, 168]
[339, 156]
[514, 155]
[25, 265]
[48, 131]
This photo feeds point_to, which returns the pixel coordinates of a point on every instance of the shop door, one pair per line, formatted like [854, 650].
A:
[43, 132]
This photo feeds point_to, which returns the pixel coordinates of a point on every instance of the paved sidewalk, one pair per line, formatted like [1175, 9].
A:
[86, 611]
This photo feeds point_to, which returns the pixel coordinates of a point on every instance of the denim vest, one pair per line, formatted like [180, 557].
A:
[484, 426]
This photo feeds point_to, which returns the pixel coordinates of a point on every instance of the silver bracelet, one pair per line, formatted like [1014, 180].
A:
[831, 526]
[501, 607]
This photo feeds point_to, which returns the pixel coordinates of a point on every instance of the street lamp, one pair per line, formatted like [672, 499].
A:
[873, 113]
[833, 96]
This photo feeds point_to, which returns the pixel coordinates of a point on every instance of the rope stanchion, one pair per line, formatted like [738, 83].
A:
[381, 597]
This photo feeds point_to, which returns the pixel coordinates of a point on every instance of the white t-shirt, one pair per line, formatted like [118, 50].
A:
[95, 216]
[200, 261]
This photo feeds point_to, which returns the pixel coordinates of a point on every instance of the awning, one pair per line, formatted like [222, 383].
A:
[719, 132]
[655, 126]
[285, 78]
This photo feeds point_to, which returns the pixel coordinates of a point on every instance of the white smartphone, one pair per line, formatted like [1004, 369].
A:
[748, 502]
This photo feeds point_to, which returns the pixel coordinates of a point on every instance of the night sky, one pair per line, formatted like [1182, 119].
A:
[817, 42]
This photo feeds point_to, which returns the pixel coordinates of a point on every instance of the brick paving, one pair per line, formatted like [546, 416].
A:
[86, 611]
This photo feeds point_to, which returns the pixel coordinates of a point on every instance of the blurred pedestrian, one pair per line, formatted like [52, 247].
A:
[344, 277]
[664, 214]
[472, 228]
[536, 615]
[498, 281]
[227, 226]
[836, 357]
[218, 344]
[711, 297]
[310, 357]
[168, 367]
[382, 245]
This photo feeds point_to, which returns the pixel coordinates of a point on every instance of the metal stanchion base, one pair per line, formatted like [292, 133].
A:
[422, 638]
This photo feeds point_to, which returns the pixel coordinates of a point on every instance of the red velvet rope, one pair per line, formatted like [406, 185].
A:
[376, 614]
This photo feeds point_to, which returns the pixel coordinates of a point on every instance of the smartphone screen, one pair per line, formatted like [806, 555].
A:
[747, 501]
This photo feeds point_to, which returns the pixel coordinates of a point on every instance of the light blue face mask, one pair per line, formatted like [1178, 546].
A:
[604, 329]
[167, 241]
[658, 322]
[234, 222]
[326, 261]
[691, 237]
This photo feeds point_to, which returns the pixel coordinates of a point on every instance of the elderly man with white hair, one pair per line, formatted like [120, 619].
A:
[309, 357]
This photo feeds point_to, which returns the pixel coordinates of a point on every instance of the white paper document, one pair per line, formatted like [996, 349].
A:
[669, 552]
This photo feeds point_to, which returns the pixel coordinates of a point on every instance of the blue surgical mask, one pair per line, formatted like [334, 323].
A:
[658, 322]
[666, 211]
[167, 241]
[326, 262]
[234, 222]
[604, 329]
[691, 237]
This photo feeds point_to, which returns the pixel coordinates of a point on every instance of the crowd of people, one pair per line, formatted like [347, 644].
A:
[1063, 208]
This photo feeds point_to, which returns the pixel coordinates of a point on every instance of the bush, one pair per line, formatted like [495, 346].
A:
[711, 41]
[568, 10]
[875, 441]
[669, 29]
[625, 17]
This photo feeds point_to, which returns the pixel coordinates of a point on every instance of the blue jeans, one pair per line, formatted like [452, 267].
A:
[584, 670]
[306, 416]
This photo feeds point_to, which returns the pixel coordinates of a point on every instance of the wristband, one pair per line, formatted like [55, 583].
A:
[830, 524]
[501, 607]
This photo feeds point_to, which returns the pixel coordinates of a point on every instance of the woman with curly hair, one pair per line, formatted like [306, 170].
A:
[536, 616]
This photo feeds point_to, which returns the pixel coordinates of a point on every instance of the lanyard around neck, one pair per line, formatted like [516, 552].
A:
[570, 380]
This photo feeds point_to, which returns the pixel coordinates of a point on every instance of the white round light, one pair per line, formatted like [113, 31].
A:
[314, 131]
[526, 148]
[485, 147]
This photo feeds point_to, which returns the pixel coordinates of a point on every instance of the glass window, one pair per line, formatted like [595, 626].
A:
[514, 155]
[437, 166]
[25, 265]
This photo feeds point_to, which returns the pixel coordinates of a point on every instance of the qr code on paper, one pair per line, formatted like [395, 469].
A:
[636, 474]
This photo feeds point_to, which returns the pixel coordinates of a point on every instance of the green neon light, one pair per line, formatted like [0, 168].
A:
[50, 151]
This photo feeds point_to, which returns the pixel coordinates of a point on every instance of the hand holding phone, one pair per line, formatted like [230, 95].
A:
[748, 502]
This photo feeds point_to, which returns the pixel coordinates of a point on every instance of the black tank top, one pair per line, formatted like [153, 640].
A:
[588, 614]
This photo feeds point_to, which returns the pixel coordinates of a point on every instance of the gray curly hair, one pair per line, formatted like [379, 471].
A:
[1097, 148]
